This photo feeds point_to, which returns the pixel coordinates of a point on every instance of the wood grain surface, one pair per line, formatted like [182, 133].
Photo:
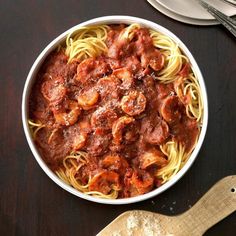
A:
[215, 205]
[30, 203]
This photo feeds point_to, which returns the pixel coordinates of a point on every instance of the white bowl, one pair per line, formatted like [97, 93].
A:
[30, 81]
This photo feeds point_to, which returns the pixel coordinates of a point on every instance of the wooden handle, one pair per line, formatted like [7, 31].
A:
[215, 205]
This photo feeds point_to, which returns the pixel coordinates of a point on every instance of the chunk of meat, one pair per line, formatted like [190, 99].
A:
[120, 48]
[164, 90]
[91, 69]
[134, 103]
[103, 117]
[88, 99]
[53, 150]
[153, 58]
[185, 70]
[131, 132]
[113, 63]
[122, 73]
[152, 157]
[127, 184]
[155, 131]
[113, 34]
[84, 125]
[118, 128]
[115, 50]
[148, 88]
[149, 55]
[105, 182]
[108, 87]
[69, 116]
[125, 76]
[98, 144]
[185, 132]
[56, 63]
[79, 141]
[149, 84]
[53, 90]
[170, 109]
[143, 41]
[141, 182]
[132, 63]
[70, 71]
[115, 163]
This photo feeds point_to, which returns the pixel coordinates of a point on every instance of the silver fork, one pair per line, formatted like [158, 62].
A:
[226, 21]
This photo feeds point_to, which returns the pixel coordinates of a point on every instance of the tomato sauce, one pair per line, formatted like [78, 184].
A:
[113, 108]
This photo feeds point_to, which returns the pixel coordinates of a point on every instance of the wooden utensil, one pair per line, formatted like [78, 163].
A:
[215, 205]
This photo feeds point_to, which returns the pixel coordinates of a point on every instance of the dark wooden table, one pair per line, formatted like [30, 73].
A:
[30, 203]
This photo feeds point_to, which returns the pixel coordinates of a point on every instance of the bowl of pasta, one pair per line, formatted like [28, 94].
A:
[115, 109]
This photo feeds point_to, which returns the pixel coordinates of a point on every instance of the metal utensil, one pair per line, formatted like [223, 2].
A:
[231, 2]
[215, 205]
[226, 21]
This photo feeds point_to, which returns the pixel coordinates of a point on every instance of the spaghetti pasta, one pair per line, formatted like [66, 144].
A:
[86, 42]
[35, 127]
[135, 54]
[174, 59]
[71, 166]
[176, 158]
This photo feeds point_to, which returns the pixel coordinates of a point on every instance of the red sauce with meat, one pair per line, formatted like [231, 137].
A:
[113, 108]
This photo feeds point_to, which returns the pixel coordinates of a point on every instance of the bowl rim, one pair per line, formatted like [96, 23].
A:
[113, 19]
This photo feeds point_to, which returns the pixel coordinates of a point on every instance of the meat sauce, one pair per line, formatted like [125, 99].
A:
[113, 108]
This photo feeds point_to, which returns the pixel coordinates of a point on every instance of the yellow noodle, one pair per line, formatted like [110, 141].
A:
[86, 42]
[35, 127]
[71, 165]
[176, 155]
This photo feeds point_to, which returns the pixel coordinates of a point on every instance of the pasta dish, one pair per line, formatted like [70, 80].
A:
[116, 110]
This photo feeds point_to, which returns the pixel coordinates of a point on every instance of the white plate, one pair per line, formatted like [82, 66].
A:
[54, 44]
[192, 9]
[232, 1]
[180, 18]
